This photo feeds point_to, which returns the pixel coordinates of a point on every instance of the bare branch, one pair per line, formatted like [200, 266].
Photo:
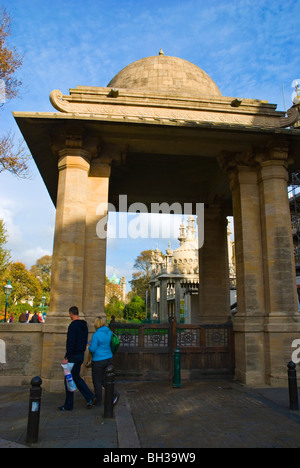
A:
[14, 160]
[10, 60]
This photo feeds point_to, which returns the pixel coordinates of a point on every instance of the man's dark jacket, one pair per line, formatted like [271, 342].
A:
[77, 338]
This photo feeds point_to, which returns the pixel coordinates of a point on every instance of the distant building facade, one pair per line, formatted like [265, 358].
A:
[121, 282]
[174, 284]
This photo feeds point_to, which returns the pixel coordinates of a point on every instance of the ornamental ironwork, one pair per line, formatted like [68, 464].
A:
[187, 338]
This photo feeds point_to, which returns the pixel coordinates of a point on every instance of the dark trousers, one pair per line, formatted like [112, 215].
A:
[77, 359]
[98, 376]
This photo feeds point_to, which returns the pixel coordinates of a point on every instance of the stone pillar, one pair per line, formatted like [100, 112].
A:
[69, 239]
[178, 297]
[153, 301]
[214, 288]
[95, 240]
[163, 308]
[67, 276]
[267, 319]
[249, 320]
[282, 323]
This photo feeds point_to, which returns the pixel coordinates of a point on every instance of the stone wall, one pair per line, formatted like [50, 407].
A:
[30, 349]
[21, 349]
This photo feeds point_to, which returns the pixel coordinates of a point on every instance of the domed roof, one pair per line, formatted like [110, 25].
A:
[114, 279]
[186, 256]
[165, 73]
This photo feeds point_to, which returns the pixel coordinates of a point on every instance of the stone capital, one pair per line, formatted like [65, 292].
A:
[273, 169]
[73, 159]
[276, 150]
[232, 161]
[100, 167]
[73, 137]
[243, 175]
[113, 152]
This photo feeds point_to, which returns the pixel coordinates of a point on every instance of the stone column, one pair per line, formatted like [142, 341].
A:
[282, 324]
[68, 259]
[178, 297]
[214, 288]
[69, 239]
[249, 320]
[163, 300]
[153, 301]
[95, 239]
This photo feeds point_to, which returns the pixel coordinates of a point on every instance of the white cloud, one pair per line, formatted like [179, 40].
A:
[8, 211]
[30, 256]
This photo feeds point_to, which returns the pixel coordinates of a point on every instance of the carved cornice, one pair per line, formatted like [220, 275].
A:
[292, 117]
[140, 107]
[57, 101]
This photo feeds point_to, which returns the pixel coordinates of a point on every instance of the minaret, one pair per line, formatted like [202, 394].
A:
[191, 230]
[182, 234]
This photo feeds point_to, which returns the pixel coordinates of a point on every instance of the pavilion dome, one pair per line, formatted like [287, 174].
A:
[114, 279]
[185, 258]
[165, 73]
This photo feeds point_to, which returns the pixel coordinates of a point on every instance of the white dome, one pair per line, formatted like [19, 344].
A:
[185, 258]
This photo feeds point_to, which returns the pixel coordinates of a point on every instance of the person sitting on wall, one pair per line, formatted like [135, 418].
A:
[23, 318]
[35, 318]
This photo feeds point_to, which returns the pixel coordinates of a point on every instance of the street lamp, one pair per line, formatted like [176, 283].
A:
[7, 291]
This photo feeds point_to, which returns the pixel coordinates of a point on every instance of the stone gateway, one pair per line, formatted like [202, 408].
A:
[161, 131]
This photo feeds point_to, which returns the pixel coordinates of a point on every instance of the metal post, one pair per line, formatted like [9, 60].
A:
[109, 392]
[6, 305]
[293, 391]
[177, 369]
[172, 340]
[34, 411]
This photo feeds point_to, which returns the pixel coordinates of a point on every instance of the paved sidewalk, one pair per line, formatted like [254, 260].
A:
[201, 414]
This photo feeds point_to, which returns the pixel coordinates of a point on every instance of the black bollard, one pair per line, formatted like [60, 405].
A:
[177, 369]
[109, 392]
[293, 391]
[34, 411]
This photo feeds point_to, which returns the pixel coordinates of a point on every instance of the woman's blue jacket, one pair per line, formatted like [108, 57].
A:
[100, 345]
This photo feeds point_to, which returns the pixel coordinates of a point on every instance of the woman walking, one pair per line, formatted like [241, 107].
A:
[101, 357]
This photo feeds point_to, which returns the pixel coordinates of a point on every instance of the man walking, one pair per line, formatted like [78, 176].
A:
[77, 338]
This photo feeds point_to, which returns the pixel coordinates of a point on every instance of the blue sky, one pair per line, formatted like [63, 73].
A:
[250, 48]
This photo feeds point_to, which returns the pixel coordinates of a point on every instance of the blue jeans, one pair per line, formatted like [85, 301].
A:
[77, 359]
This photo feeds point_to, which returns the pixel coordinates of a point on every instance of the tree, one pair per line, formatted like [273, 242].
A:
[11, 159]
[135, 309]
[141, 277]
[42, 272]
[25, 285]
[4, 263]
[113, 299]
[112, 290]
[114, 307]
[10, 60]
[4, 253]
